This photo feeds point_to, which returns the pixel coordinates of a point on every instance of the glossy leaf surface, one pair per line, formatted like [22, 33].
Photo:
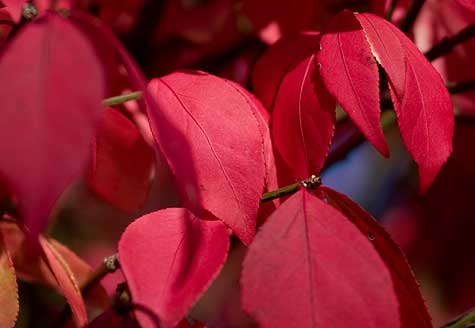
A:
[169, 258]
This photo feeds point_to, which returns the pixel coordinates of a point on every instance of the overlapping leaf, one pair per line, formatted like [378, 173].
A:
[412, 309]
[169, 258]
[8, 288]
[122, 163]
[33, 267]
[309, 266]
[276, 62]
[66, 281]
[211, 140]
[420, 98]
[52, 87]
[351, 75]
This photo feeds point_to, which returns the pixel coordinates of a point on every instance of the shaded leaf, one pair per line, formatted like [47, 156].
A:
[303, 120]
[309, 253]
[122, 163]
[32, 267]
[210, 137]
[412, 308]
[40, 71]
[8, 288]
[169, 258]
[66, 281]
[350, 74]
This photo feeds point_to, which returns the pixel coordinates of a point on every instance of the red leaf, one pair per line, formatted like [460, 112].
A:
[413, 312]
[169, 258]
[14, 8]
[351, 75]
[467, 4]
[47, 120]
[8, 288]
[276, 62]
[66, 281]
[421, 100]
[32, 267]
[209, 135]
[122, 163]
[303, 120]
[309, 266]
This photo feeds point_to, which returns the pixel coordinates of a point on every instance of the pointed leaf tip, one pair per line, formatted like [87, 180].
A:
[350, 74]
[211, 139]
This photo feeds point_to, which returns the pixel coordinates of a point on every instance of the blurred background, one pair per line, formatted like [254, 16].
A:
[226, 37]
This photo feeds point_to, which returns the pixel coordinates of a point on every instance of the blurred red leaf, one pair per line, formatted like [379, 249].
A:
[8, 288]
[467, 4]
[412, 308]
[209, 134]
[31, 266]
[14, 8]
[122, 163]
[60, 117]
[351, 75]
[66, 281]
[309, 253]
[277, 61]
[169, 258]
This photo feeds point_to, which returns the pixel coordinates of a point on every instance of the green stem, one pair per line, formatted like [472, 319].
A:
[117, 100]
[466, 319]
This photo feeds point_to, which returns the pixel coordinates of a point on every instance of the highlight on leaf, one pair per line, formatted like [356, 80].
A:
[210, 136]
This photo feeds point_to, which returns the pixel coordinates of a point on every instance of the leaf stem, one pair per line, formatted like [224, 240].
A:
[118, 100]
[109, 265]
[465, 320]
[448, 43]
[312, 182]
[390, 12]
[411, 15]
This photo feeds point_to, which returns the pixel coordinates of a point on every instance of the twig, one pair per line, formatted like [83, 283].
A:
[109, 265]
[448, 43]
[312, 182]
[463, 321]
[411, 15]
[390, 12]
[117, 100]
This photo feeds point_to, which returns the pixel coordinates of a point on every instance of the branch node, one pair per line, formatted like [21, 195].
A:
[111, 263]
[312, 183]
